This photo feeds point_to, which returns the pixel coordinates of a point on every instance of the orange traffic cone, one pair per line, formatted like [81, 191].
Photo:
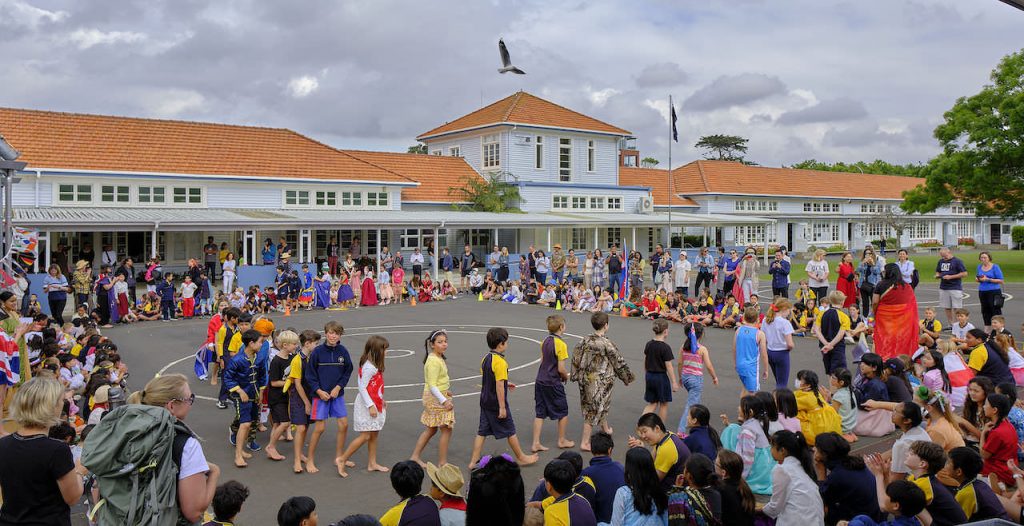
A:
[622, 310]
[412, 301]
[287, 309]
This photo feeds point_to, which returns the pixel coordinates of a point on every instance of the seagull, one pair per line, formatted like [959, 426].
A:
[506, 62]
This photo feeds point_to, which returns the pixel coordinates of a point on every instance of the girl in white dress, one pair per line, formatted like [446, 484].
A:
[369, 410]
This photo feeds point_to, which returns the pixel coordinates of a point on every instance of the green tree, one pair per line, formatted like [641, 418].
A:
[723, 147]
[419, 148]
[490, 193]
[648, 162]
[982, 159]
[877, 166]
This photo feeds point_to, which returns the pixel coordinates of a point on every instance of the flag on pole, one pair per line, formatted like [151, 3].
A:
[674, 118]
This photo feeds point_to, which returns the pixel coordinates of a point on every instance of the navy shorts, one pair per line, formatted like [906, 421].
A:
[490, 425]
[550, 402]
[658, 388]
[245, 412]
[297, 410]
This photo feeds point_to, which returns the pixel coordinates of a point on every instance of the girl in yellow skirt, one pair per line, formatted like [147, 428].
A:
[438, 410]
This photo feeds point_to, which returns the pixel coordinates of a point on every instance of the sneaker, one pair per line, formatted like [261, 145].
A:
[231, 437]
[221, 404]
[253, 445]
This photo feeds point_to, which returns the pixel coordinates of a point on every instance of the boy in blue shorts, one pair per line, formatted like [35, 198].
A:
[549, 390]
[241, 377]
[495, 414]
[327, 373]
[300, 405]
[750, 352]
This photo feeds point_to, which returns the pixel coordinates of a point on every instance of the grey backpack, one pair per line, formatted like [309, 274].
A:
[134, 453]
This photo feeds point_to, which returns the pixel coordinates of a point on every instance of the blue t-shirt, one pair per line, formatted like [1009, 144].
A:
[947, 268]
[993, 273]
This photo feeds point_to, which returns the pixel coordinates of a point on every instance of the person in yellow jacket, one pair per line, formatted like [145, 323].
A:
[815, 413]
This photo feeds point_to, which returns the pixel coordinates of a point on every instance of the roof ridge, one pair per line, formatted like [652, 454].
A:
[571, 110]
[703, 176]
[146, 119]
[511, 107]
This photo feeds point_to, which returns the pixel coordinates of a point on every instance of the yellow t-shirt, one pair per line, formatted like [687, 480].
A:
[844, 319]
[936, 325]
[979, 356]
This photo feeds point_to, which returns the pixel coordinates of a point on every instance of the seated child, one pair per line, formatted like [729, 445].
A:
[961, 327]
[931, 329]
[903, 499]
[804, 293]
[730, 315]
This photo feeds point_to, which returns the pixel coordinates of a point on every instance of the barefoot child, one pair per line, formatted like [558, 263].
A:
[277, 398]
[438, 404]
[370, 409]
[328, 372]
[299, 404]
[549, 390]
[750, 353]
[241, 376]
[495, 413]
[658, 361]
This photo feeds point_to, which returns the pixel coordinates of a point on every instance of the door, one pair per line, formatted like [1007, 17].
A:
[849, 235]
[996, 234]
[789, 236]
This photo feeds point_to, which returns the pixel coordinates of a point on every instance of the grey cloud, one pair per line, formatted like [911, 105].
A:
[760, 118]
[862, 135]
[834, 110]
[662, 74]
[735, 90]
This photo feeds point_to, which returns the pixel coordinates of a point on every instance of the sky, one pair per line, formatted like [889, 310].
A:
[831, 80]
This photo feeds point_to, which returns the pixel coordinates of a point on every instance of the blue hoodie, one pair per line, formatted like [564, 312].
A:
[328, 367]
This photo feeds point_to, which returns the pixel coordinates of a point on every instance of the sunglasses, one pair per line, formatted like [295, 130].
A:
[190, 400]
[486, 459]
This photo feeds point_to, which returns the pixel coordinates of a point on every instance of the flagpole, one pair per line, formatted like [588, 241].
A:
[671, 187]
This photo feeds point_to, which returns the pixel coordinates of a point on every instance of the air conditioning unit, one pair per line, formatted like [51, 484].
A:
[524, 140]
[646, 205]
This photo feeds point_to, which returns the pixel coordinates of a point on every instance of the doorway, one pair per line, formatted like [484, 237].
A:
[996, 234]
[789, 236]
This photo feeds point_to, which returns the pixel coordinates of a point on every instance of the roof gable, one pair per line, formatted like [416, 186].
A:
[658, 182]
[76, 141]
[524, 108]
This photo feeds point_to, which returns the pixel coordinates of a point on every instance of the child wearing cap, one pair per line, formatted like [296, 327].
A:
[445, 485]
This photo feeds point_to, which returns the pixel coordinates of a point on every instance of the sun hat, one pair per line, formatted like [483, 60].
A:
[80, 264]
[264, 327]
[101, 394]
[447, 478]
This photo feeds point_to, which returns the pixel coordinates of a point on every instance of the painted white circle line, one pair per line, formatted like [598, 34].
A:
[399, 353]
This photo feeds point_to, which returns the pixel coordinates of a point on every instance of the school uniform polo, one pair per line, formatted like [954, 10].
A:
[584, 487]
[670, 456]
[608, 476]
[979, 502]
[569, 510]
[944, 509]
[548, 390]
[415, 511]
[494, 369]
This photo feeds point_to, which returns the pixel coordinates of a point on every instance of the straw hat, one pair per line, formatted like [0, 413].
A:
[447, 478]
[80, 264]
[101, 394]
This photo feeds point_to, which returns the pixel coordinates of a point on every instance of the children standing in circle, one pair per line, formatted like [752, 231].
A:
[658, 361]
[749, 351]
[778, 332]
[370, 409]
[549, 390]
[438, 407]
[692, 359]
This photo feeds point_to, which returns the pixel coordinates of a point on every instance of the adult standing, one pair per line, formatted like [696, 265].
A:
[614, 268]
[108, 256]
[466, 263]
[197, 478]
[895, 308]
[55, 285]
[59, 257]
[87, 253]
[210, 256]
[416, 259]
[600, 273]
[228, 273]
[906, 266]
[531, 258]
[355, 248]
[817, 274]
[269, 252]
[81, 280]
[729, 265]
[557, 263]
[779, 270]
[154, 273]
[193, 270]
[106, 298]
[222, 254]
[503, 265]
[847, 280]
[870, 274]
[665, 267]
[572, 266]
[387, 261]
[990, 288]
[596, 363]
[333, 251]
[492, 260]
[681, 274]
[38, 474]
[705, 270]
[654, 261]
[747, 276]
[127, 271]
[284, 250]
[543, 267]
[588, 271]
[950, 272]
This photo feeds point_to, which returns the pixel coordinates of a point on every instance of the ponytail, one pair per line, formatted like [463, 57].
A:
[780, 304]
[794, 445]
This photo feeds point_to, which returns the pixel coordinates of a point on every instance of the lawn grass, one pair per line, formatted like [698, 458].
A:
[1010, 261]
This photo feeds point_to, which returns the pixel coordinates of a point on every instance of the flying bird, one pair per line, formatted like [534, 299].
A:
[506, 62]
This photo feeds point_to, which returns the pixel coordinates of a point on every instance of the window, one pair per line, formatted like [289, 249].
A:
[965, 229]
[560, 202]
[455, 151]
[629, 160]
[962, 210]
[822, 208]
[115, 194]
[74, 193]
[754, 234]
[614, 203]
[757, 206]
[480, 238]
[825, 232]
[376, 199]
[922, 230]
[565, 160]
[491, 153]
[614, 236]
[418, 238]
[597, 203]
[296, 197]
[191, 196]
[875, 208]
[325, 198]
[152, 194]
[371, 241]
[436, 152]
[538, 153]
[579, 239]
[351, 199]
[590, 156]
[579, 202]
[877, 230]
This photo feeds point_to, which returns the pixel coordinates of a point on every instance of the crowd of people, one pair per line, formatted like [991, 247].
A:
[949, 392]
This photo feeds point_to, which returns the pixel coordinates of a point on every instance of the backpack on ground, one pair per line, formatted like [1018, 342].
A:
[134, 453]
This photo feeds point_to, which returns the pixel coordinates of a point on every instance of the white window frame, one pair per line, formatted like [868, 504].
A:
[325, 198]
[455, 151]
[874, 208]
[826, 232]
[578, 239]
[961, 210]
[559, 202]
[965, 229]
[760, 205]
[436, 152]
[591, 156]
[151, 194]
[354, 198]
[614, 203]
[565, 172]
[578, 202]
[822, 207]
[490, 151]
[755, 234]
[377, 199]
[597, 202]
[877, 230]
[81, 194]
[119, 194]
[613, 236]
[922, 230]
[297, 198]
[538, 153]
[189, 198]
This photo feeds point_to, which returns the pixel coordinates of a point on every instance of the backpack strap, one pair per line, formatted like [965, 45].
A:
[181, 435]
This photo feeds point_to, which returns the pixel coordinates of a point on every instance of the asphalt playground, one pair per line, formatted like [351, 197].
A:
[156, 347]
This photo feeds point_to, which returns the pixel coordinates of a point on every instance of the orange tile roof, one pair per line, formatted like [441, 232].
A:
[658, 181]
[436, 174]
[524, 108]
[729, 177]
[121, 144]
